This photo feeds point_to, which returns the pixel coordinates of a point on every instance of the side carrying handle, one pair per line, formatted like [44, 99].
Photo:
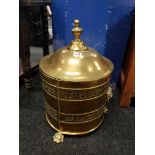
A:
[109, 93]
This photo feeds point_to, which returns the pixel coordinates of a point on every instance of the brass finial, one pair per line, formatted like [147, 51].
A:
[77, 44]
[77, 30]
[76, 23]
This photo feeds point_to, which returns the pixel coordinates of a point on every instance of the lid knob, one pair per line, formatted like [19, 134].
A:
[77, 30]
[77, 44]
[76, 23]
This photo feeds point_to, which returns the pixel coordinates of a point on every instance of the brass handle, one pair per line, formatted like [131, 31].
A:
[105, 110]
[109, 93]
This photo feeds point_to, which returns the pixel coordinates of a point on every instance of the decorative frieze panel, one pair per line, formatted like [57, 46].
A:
[75, 94]
[74, 118]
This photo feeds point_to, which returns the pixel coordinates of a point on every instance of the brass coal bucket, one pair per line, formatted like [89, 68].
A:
[75, 81]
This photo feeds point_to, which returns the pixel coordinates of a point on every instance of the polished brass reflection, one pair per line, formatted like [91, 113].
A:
[75, 81]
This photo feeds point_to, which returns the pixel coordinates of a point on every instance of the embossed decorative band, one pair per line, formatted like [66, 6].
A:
[74, 118]
[74, 94]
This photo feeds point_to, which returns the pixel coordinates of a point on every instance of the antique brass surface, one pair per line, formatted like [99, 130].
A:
[75, 81]
[68, 66]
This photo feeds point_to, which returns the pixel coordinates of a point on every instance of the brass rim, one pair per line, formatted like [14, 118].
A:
[102, 84]
[73, 133]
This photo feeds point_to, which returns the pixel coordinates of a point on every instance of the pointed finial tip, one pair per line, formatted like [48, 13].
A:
[76, 23]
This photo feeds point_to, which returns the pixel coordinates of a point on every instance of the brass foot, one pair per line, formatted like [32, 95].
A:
[58, 137]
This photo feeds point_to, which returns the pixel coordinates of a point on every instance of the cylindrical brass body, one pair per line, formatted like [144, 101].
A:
[81, 104]
[75, 81]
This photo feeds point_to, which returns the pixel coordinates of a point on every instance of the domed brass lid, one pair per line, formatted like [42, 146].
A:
[76, 62]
